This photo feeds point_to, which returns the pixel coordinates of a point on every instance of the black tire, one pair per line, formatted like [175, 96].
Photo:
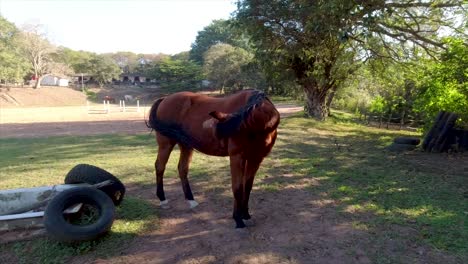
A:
[60, 229]
[395, 147]
[407, 140]
[463, 141]
[85, 173]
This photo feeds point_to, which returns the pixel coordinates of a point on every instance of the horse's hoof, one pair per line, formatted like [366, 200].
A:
[192, 203]
[249, 222]
[164, 204]
[240, 224]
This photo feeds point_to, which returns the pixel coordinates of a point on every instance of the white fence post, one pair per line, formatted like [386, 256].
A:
[138, 105]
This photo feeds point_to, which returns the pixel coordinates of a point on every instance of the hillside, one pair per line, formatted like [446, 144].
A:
[45, 96]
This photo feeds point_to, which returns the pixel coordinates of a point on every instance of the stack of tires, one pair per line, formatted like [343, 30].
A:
[98, 202]
[444, 136]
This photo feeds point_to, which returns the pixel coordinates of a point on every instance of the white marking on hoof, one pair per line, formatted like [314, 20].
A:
[192, 203]
[164, 204]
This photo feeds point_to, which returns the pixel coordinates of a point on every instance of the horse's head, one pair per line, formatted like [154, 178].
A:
[246, 119]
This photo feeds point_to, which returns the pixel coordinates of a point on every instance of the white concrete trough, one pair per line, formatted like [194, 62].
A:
[24, 208]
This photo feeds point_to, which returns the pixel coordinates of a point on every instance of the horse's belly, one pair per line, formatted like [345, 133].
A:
[214, 149]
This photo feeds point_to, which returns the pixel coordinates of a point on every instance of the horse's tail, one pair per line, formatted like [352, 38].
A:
[169, 129]
[152, 119]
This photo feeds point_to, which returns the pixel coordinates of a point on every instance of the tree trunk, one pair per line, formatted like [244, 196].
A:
[380, 120]
[38, 82]
[389, 119]
[330, 98]
[316, 105]
[402, 117]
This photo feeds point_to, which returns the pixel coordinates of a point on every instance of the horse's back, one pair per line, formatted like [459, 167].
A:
[183, 106]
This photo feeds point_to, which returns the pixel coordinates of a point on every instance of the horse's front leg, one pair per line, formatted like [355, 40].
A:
[237, 181]
[183, 167]
[165, 148]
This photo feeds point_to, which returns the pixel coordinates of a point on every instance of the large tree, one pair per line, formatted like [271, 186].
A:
[102, 68]
[127, 60]
[317, 41]
[223, 66]
[38, 52]
[78, 61]
[175, 74]
[219, 31]
[443, 85]
[13, 65]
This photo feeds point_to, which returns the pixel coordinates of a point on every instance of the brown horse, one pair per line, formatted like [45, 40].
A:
[242, 126]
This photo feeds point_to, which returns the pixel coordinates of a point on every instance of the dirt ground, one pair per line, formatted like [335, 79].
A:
[45, 96]
[296, 229]
[77, 120]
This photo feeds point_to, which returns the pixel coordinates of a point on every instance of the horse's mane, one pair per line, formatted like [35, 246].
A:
[232, 125]
[169, 129]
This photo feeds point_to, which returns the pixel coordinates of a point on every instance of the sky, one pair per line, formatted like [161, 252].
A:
[140, 26]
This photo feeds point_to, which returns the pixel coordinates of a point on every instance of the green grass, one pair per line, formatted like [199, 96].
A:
[285, 100]
[378, 192]
[375, 188]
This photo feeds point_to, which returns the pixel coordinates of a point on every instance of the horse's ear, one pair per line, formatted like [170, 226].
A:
[219, 115]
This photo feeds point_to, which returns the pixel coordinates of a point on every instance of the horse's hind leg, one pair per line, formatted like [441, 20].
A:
[251, 167]
[237, 172]
[184, 163]
[165, 147]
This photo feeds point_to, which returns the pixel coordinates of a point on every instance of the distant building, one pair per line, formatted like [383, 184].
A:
[55, 80]
[135, 78]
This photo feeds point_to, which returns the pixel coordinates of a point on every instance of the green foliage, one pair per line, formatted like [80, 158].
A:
[383, 87]
[38, 51]
[175, 74]
[219, 31]
[102, 68]
[126, 60]
[90, 94]
[77, 60]
[377, 105]
[230, 68]
[318, 43]
[13, 66]
[356, 92]
[444, 84]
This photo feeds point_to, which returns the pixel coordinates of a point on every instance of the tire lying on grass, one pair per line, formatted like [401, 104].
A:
[395, 147]
[407, 140]
[85, 173]
[94, 225]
